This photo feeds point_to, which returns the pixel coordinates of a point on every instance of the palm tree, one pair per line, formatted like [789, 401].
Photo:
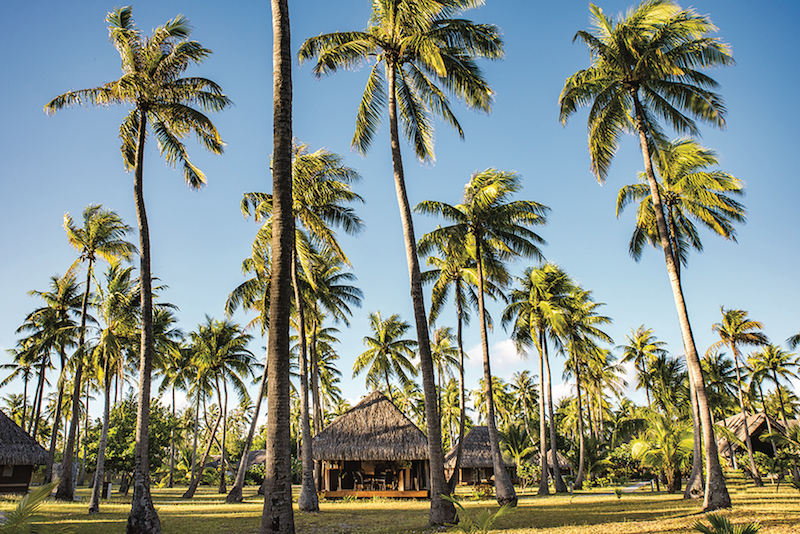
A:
[320, 187]
[101, 236]
[152, 84]
[642, 347]
[498, 228]
[444, 356]
[22, 367]
[119, 310]
[645, 66]
[663, 447]
[736, 330]
[689, 191]
[389, 353]
[577, 334]
[774, 363]
[64, 299]
[535, 308]
[422, 52]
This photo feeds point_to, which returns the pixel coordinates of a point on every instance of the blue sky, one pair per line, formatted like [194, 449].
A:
[53, 165]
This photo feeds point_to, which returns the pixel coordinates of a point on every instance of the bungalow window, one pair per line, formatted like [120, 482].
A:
[8, 471]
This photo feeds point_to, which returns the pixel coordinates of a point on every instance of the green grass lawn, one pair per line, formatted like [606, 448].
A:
[598, 511]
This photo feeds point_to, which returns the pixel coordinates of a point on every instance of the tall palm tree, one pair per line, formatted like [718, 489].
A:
[736, 330]
[22, 367]
[422, 50]
[644, 66]
[776, 364]
[642, 348]
[536, 308]
[445, 357]
[577, 337]
[102, 236]
[153, 85]
[119, 311]
[389, 353]
[499, 229]
[277, 516]
[64, 299]
[320, 188]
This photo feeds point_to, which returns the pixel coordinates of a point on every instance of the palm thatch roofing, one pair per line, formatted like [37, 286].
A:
[756, 425]
[373, 429]
[17, 447]
[477, 451]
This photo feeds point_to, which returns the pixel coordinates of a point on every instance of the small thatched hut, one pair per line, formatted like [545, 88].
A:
[476, 458]
[372, 449]
[756, 426]
[19, 453]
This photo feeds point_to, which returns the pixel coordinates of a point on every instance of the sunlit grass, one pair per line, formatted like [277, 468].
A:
[598, 511]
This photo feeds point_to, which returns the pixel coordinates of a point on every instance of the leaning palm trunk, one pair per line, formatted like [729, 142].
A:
[579, 478]
[544, 481]
[454, 478]
[504, 489]
[442, 511]
[194, 440]
[65, 491]
[307, 501]
[716, 492]
[694, 485]
[99, 474]
[143, 517]
[48, 473]
[278, 516]
[196, 482]
[753, 469]
[558, 480]
[82, 475]
[222, 464]
[235, 494]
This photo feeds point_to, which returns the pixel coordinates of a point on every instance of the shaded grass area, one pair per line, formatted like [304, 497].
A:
[595, 512]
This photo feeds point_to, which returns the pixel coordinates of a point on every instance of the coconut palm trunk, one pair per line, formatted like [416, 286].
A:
[748, 442]
[504, 489]
[307, 501]
[171, 481]
[194, 440]
[99, 474]
[190, 491]
[462, 405]
[65, 491]
[716, 494]
[558, 479]
[222, 464]
[544, 481]
[143, 517]
[235, 494]
[278, 516]
[48, 472]
[694, 485]
[580, 477]
[441, 511]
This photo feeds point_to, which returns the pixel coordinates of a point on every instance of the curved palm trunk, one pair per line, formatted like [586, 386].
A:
[194, 441]
[504, 489]
[307, 501]
[99, 474]
[558, 479]
[143, 517]
[442, 511]
[278, 516]
[753, 469]
[38, 396]
[454, 478]
[694, 485]
[189, 493]
[769, 423]
[544, 482]
[65, 491]
[82, 475]
[171, 481]
[235, 494]
[222, 464]
[580, 477]
[51, 456]
[716, 493]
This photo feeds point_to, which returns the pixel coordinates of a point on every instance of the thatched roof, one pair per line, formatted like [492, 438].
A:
[756, 424]
[477, 451]
[373, 429]
[17, 447]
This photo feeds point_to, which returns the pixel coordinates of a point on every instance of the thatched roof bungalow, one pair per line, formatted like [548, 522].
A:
[19, 453]
[476, 458]
[757, 424]
[372, 449]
